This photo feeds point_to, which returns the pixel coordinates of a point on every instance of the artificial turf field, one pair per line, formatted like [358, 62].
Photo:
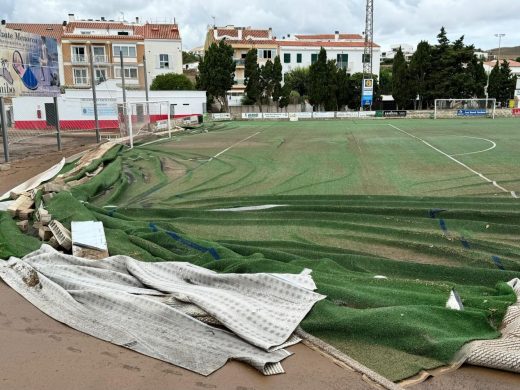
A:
[388, 222]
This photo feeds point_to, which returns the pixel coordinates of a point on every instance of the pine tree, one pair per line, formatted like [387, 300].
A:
[419, 69]
[277, 79]
[252, 77]
[318, 74]
[217, 72]
[266, 81]
[401, 82]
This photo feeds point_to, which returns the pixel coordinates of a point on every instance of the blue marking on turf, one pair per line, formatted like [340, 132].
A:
[498, 263]
[212, 251]
[433, 212]
[443, 226]
[465, 243]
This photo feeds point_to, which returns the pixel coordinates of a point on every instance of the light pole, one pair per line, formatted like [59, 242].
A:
[499, 36]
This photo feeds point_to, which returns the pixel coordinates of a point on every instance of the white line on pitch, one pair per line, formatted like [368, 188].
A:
[232, 146]
[513, 194]
[493, 146]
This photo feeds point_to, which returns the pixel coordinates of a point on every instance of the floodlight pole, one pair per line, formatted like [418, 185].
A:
[58, 127]
[94, 97]
[3, 121]
[499, 36]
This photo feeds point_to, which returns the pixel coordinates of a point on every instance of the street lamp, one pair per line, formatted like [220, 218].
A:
[499, 36]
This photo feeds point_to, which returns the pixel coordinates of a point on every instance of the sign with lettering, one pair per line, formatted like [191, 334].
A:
[29, 64]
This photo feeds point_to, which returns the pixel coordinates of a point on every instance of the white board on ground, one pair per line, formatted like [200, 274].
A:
[89, 234]
[251, 115]
[318, 115]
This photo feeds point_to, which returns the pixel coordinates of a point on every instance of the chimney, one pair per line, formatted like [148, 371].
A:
[137, 20]
[240, 33]
[103, 19]
[336, 36]
[71, 18]
[64, 24]
[270, 33]
[215, 33]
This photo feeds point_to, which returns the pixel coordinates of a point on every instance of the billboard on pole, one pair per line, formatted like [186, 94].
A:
[28, 64]
[367, 93]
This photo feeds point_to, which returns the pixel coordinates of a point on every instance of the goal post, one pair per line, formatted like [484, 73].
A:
[144, 118]
[457, 108]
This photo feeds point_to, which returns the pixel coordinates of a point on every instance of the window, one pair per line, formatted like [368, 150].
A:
[78, 54]
[86, 32]
[101, 75]
[128, 51]
[80, 76]
[366, 58]
[314, 58]
[287, 58]
[342, 61]
[122, 33]
[99, 53]
[130, 72]
[266, 53]
[299, 58]
[164, 63]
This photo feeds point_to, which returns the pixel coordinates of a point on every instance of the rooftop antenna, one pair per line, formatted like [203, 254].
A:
[122, 15]
[214, 22]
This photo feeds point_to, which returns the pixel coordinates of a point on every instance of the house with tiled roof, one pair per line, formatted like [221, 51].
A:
[301, 51]
[159, 44]
[243, 39]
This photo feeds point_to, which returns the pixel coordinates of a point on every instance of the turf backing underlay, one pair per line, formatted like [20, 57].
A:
[386, 263]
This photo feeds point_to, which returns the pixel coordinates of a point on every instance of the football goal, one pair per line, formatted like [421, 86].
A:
[141, 119]
[458, 108]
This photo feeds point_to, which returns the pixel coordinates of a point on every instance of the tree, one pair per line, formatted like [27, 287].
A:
[189, 58]
[267, 81]
[171, 82]
[277, 79]
[217, 72]
[501, 83]
[402, 90]
[252, 77]
[420, 67]
[298, 80]
[318, 74]
[354, 86]
[285, 96]
[517, 59]
[386, 81]
[343, 93]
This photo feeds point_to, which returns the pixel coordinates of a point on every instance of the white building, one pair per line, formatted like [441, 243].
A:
[163, 48]
[346, 49]
[514, 65]
[408, 52]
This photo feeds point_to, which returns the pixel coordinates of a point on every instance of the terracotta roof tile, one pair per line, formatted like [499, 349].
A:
[161, 31]
[105, 25]
[103, 37]
[512, 63]
[49, 30]
[324, 44]
[227, 32]
[252, 42]
[328, 36]
[255, 33]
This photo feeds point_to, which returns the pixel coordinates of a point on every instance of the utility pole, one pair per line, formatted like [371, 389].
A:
[499, 36]
[94, 97]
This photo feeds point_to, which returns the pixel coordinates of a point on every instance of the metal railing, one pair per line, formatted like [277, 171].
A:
[240, 62]
[100, 59]
[79, 58]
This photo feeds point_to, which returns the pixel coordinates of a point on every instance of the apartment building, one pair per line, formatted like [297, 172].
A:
[102, 41]
[301, 51]
[408, 52]
[243, 39]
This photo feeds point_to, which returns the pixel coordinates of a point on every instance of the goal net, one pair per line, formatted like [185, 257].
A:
[464, 108]
[138, 120]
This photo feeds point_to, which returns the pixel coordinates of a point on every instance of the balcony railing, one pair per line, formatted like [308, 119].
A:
[239, 82]
[240, 62]
[79, 58]
[100, 59]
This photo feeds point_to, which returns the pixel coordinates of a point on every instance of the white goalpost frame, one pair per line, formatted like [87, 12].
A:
[487, 101]
[129, 111]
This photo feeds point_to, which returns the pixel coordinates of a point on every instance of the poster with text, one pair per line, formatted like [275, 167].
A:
[28, 64]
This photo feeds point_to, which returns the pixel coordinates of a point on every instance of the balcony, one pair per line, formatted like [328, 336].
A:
[100, 59]
[79, 59]
[239, 82]
[240, 62]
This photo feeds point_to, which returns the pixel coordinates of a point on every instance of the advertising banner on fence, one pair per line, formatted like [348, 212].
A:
[225, 116]
[365, 114]
[477, 112]
[329, 114]
[276, 115]
[29, 64]
[251, 115]
[394, 113]
[516, 112]
[304, 115]
[347, 114]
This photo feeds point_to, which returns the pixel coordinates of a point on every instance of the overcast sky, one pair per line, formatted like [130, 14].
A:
[396, 21]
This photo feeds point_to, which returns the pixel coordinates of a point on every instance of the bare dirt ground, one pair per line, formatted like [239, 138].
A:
[41, 353]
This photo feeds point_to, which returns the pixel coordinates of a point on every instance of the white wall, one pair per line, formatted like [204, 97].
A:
[154, 47]
[355, 56]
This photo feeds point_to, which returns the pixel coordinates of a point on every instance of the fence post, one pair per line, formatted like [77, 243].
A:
[130, 125]
[58, 127]
[3, 121]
